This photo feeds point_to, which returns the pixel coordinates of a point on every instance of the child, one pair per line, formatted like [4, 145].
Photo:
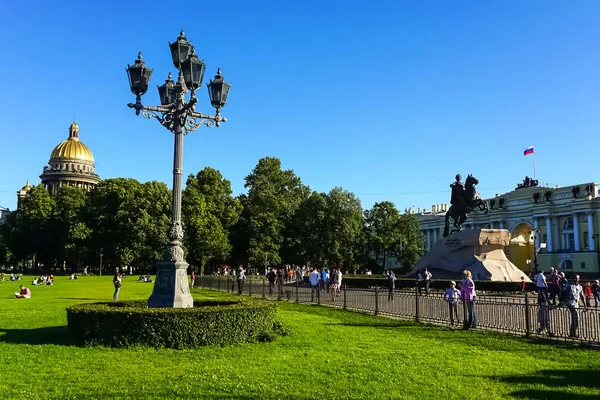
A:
[451, 296]
[523, 284]
[587, 292]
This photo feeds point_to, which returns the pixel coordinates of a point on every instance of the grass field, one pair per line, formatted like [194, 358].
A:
[329, 354]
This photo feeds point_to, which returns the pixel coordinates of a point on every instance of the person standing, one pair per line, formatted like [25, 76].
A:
[467, 295]
[587, 292]
[420, 281]
[553, 287]
[574, 294]
[596, 292]
[192, 279]
[117, 280]
[451, 295]
[541, 285]
[271, 278]
[543, 315]
[314, 284]
[240, 280]
[391, 285]
[336, 281]
[280, 280]
[427, 278]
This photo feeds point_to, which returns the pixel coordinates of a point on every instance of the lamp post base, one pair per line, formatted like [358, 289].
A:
[171, 288]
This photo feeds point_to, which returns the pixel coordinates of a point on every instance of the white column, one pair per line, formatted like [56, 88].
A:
[576, 230]
[435, 235]
[591, 244]
[548, 234]
[536, 225]
[428, 239]
[501, 224]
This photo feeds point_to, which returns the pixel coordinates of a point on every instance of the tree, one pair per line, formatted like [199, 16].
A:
[128, 221]
[65, 232]
[209, 212]
[383, 221]
[273, 197]
[342, 228]
[411, 246]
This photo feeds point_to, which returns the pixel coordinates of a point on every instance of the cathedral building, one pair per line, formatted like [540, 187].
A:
[71, 164]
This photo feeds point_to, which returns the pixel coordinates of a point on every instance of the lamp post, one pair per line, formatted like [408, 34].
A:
[180, 117]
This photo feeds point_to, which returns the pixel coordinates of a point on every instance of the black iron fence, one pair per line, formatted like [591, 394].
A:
[519, 315]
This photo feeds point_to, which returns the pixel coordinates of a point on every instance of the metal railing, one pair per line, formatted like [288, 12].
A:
[518, 315]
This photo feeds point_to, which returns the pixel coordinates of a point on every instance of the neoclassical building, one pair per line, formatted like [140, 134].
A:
[560, 224]
[71, 164]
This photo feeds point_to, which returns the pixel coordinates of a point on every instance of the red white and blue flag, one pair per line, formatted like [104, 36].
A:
[528, 150]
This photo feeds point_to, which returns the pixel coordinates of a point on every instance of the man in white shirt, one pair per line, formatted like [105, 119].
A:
[541, 285]
[314, 283]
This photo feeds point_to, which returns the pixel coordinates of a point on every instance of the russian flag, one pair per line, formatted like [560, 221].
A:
[528, 150]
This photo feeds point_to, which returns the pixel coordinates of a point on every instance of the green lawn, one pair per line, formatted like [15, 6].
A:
[329, 354]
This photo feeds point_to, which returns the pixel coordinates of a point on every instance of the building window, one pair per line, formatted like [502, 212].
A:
[586, 244]
[582, 265]
[568, 223]
[568, 241]
[567, 264]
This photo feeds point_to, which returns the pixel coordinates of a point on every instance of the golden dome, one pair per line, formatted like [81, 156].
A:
[26, 187]
[72, 148]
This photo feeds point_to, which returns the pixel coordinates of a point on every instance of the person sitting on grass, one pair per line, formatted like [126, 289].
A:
[1, 277]
[35, 282]
[148, 278]
[25, 293]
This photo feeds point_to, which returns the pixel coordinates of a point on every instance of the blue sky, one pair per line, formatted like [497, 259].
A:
[387, 99]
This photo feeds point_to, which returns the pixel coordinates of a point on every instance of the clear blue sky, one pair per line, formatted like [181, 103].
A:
[388, 99]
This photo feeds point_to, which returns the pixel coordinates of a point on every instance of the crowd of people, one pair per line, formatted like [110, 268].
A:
[43, 280]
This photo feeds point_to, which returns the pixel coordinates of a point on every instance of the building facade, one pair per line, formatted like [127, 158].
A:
[558, 227]
[3, 214]
[71, 164]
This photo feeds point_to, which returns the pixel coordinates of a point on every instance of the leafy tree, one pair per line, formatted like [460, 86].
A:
[209, 212]
[273, 197]
[383, 221]
[342, 228]
[128, 221]
[411, 246]
[67, 231]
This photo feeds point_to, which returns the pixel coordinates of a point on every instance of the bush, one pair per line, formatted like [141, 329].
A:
[405, 283]
[122, 324]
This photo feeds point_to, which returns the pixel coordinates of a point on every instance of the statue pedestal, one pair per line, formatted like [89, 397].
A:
[171, 288]
[480, 251]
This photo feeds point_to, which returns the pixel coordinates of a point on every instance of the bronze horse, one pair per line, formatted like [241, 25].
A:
[461, 209]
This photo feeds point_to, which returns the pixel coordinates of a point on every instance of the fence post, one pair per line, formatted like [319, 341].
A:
[527, 316]
[344, 296]
[263, 287]
[250, 286]
[297, 298]
[376, 301]
[417, 304]
[219, 283]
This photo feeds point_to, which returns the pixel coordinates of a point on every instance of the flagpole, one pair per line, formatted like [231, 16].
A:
[534, 162]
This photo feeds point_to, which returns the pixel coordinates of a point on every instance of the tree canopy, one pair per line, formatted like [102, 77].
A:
[277, 221]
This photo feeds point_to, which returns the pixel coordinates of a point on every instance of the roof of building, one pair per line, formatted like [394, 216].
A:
[72, 148]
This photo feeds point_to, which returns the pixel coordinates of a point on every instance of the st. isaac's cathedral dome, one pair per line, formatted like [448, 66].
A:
[71, 164]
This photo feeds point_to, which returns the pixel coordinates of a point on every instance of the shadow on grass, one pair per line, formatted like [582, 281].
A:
[559, 379]
[58, 335]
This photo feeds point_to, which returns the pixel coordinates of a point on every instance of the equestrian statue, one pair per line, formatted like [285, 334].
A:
[464, 200]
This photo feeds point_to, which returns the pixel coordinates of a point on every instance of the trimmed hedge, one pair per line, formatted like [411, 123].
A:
[439, 284]
[122, 324]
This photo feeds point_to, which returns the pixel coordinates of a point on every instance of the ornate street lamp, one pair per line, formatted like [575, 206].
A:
[180, 117]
